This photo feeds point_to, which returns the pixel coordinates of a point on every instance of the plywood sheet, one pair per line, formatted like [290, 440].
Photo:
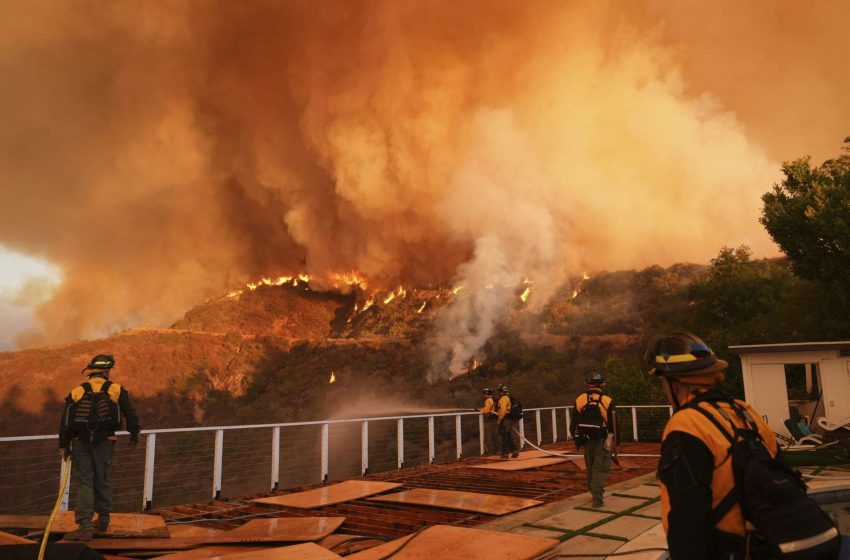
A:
[532, 454]
[205, 552]
[276, 529]
[490, 504]
[579, 462]
[189, 530]
[441, 541]
[9, 538]
[304, 551]
[520, 465]
[332, 494]
[120, 524]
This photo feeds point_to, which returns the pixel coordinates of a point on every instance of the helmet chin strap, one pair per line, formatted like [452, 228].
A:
[672, 394]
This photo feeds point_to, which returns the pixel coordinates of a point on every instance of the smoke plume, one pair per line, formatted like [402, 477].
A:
[161, 153]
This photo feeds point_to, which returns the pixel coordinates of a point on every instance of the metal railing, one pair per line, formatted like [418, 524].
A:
[242, 460]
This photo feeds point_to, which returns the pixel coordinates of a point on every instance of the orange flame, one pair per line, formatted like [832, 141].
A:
[351, 278]
[456, 290]
[585, 276]
[422, 308]
[333, 378]
[575, 294]
[400, 292]
[524, 295]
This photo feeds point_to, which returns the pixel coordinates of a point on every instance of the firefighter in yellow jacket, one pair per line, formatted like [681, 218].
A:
[594, 427]
[94, 411]
[488, 411]
[700, 512]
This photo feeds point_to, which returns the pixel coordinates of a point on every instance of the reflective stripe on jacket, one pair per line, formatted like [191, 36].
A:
[693, 423]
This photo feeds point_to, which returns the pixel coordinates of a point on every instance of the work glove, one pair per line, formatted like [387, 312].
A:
[64, 453]
[134, 439]
[609, 442]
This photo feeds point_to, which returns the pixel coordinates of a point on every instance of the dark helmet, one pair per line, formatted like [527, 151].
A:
[596, 379]
[101, 362]
[681, 355]
[488, 391]
[503, 389]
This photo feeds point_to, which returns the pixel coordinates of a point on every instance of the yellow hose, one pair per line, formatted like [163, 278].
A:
[55, 508]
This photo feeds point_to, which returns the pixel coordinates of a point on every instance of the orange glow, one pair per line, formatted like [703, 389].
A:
[333, 378]
[422, 307]
[524, 295]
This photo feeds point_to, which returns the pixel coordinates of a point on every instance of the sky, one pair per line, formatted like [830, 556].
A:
[159, 154]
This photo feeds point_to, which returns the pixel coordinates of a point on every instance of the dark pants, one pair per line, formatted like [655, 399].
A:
[491, 434]
[598, 462]
[91, 469]
[506, 430]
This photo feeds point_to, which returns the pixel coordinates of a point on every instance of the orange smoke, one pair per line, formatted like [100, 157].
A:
[163, 153]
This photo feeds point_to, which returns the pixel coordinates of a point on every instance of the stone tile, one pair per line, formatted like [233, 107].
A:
[617, 504]
[573, 519]
[653, 510]
[652, 538]
[626, 526]
[643, 491]
[590, 545]
[535, 532]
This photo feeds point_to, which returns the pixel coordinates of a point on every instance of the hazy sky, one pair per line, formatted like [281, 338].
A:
[161, 153]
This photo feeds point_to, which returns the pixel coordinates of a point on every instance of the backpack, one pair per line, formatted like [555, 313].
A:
[94, 413]
[591, 423]
[772, 496]
[516, 408]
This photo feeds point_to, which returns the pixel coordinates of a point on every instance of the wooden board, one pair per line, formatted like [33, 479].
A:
[275, 529]
[329, 495]
[520, 465]
[523, 455]
[579, 462]
[205, 552]
[120, 524]
[9, 538]
[490, 504]
[304, 551]
[445, 541]
[189, 530]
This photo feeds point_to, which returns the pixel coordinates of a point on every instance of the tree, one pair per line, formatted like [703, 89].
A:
[808, 216]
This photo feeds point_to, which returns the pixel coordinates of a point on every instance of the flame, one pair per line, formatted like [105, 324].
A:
[304, 277]
[456, 290]
[585, 276]
[575, 294]
[524, 295]
[351, 278]
[333, 378]
[234, 294]
[422, 308]
[400, 292]
[369, 303]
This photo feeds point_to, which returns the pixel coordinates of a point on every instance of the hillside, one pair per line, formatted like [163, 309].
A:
[267, 354]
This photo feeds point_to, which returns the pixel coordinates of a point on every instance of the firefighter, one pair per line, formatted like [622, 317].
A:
[93, 412]
[506, 421]
[491, 421]
[593, 428]
[700, 504]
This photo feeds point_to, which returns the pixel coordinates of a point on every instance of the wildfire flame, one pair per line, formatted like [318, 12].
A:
[456, 290]
[422, 307]
[369, 303]
[575, 294]
[524, 295]
[585, 276]
[333, 378]
[400, 292]
[351, 278]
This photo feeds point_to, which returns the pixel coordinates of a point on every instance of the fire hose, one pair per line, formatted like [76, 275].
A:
[55, 508]
[575, 456]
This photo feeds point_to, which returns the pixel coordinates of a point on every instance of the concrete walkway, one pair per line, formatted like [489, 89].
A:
[629, 520]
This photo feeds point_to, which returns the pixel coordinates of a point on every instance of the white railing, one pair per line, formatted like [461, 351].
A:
[534, 416]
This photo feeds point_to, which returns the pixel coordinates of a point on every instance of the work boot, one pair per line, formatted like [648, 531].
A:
[597, 503]
[515, 454]
[505, 455]
[102, 526]
[79, 535]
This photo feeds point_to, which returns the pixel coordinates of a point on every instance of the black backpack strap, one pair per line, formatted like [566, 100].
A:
[105, 387]
[87, 387]
[710, 417]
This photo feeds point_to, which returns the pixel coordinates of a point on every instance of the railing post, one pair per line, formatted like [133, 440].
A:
[150, 456]
[521, 433]
[364, 447]
[63, 505]
[481, 433]
[431, 454]
[400, 440]
[554, 427]
[325, 431]
[219, 450]
[275, 458]
[634, 423]
[569, 433]
[539, 427]
[458, 437]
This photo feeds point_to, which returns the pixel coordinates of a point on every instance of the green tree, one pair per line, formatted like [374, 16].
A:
[808, 216]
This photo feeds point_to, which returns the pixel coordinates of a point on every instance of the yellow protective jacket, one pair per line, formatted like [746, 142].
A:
[681, 452]
[117, 394]
[606, 408]
[488, 406]
[504, 406]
